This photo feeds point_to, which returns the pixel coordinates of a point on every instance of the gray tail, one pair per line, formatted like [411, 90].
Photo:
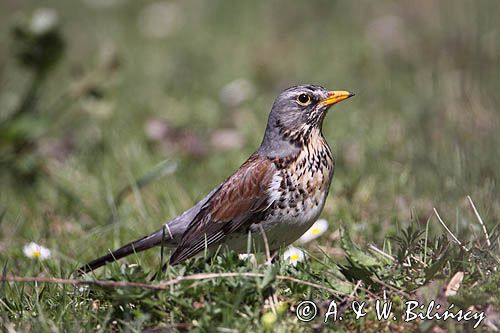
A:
[138, 245]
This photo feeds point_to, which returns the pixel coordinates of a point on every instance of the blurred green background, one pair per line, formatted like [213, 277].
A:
[133, 83]
[94, 94]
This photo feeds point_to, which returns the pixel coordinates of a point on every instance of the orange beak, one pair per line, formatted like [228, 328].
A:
[335, 96]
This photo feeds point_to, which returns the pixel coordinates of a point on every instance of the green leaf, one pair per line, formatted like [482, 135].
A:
[269, 276]
[431, 271]
[342, 286]
[354, 254]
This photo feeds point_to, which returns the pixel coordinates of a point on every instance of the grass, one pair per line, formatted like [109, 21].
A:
[83, 168]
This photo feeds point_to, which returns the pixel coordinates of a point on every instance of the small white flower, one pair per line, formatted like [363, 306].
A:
[248, 257]
[44, 19]
[33, 250]
[317, 229]
[83, 289]
[294, 255]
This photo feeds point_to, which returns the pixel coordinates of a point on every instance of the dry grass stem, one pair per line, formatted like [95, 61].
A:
[449, 231]
[480, 220]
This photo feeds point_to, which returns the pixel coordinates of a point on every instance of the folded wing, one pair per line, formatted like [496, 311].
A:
[241, 200]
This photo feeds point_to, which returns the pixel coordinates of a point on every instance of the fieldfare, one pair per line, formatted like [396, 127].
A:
[274, 197]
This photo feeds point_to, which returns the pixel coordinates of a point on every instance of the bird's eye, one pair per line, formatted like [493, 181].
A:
[304, 99]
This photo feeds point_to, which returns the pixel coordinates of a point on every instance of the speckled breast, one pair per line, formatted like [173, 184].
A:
[299, 191]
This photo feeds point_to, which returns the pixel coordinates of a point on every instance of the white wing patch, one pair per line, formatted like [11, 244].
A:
[274, 188]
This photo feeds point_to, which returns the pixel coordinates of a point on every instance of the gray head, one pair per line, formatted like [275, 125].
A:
[296, 113]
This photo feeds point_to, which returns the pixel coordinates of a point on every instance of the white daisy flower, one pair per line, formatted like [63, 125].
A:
[33, 250]
[317, 229]
[294, 255]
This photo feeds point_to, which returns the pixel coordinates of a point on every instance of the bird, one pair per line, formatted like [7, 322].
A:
[271, 200]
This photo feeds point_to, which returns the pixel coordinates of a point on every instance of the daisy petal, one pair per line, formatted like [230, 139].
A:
[317, 229]
[294, 255]
[36, 251]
